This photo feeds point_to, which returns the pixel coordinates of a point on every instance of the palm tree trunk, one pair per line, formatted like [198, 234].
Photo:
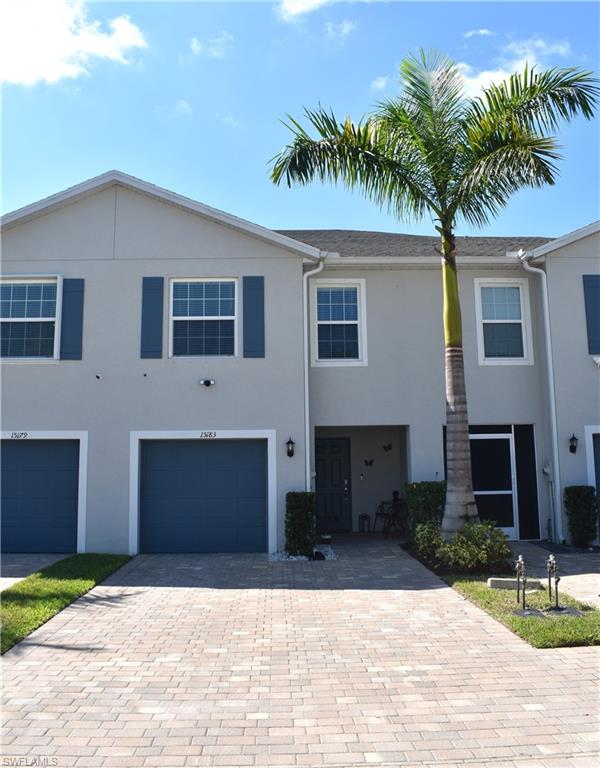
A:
[460, 503]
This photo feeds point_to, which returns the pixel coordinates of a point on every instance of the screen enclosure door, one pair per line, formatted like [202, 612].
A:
[494, 480]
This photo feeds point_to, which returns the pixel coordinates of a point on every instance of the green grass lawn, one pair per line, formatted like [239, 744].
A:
[30, 603]
[547, 632]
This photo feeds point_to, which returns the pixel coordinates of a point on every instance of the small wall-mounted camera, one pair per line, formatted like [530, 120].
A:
[207, 382]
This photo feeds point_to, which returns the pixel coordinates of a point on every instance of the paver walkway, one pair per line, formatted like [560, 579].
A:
[16, 567]
[579, 571]
[234, 661]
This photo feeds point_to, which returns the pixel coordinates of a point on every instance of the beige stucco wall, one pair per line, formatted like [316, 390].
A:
[577, 378]
[112, 239]
[403, 382]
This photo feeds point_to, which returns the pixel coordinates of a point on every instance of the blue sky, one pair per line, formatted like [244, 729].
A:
[189, 96]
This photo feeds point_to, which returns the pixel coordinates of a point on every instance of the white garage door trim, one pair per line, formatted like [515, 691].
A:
[270, 435]
[26, 434]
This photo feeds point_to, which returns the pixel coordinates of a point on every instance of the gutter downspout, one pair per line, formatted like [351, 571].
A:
[557, 526]
[307, 446]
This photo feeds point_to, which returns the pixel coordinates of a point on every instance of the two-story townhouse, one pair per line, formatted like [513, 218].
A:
[378, 407]
[152, 373]
[170, 371]
[571, 265]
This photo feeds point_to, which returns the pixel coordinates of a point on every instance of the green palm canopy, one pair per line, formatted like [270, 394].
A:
[432, 151]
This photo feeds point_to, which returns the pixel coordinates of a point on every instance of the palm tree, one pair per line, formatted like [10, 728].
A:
[432, 151]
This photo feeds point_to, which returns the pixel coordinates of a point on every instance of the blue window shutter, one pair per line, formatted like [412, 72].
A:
[152, 316]
[254, 316]
[71, 324]
[591, 293]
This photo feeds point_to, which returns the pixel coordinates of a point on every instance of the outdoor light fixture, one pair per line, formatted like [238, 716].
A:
[573, 444]
[290, 447]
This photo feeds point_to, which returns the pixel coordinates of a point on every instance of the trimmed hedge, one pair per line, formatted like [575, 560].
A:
[425, 502]
[476, 548]
[581, 506]
[300, 523]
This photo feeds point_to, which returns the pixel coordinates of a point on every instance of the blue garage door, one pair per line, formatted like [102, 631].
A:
[39, 483]
[203, 496]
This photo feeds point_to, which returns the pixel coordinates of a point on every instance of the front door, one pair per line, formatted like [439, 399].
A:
[334, 500]
[494, 480]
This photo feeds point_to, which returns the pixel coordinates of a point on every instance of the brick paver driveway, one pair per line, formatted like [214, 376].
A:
[233, 661]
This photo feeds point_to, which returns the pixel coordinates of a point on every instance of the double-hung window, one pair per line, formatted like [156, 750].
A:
[203, 318]
[339, 336]
[503, 322]
[28, 317]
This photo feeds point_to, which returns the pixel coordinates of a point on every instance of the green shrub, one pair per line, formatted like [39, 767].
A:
[427, 541]
[581, 506]
[477, 547]
[300, 523]
[425, 502]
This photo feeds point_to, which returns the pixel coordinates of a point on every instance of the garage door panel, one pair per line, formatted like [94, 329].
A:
[203, 496]
[220, 483]
[42, 484]
[39, 539]
[251, 483]
[39, 490]
[251, 511]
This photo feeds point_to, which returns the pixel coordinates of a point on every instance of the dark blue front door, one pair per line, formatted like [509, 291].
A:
[39, 487]
[334, 499]
[203, 496]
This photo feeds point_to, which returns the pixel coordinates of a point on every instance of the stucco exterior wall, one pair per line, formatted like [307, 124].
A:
[112, 239]
[403, 382]
[576, 376]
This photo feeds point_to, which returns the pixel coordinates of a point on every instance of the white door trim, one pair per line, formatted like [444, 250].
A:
[512, 533]
[589, 431]
[270, 435]
[26, 434]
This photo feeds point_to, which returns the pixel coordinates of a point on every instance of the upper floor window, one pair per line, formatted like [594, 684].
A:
[503, 323]
[28, 318]
[203, 317]
[339, 336]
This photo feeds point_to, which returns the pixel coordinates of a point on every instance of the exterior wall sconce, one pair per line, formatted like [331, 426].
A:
[290, 447]
[573, 444]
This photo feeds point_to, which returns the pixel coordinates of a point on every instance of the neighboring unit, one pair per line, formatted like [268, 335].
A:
[158, 356]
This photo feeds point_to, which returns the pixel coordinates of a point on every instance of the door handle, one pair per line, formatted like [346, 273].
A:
[346, 488]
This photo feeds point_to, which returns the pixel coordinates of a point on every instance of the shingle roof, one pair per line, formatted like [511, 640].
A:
[352, 242]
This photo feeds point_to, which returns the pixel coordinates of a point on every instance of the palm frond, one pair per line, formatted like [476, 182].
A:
[363, 155]
[497, 169]
[538, 101]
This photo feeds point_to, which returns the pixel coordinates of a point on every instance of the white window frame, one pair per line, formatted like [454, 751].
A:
[502, 282]
[361, 322]
[32, 280]
[235, 316]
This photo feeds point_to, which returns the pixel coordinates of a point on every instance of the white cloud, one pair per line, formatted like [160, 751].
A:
[230, 121]
[48, 40]
[380, 83]
[183, 107]
[533, 52]
[535, 49]
[339, 31]
[216, 47]
[289, 10]
[483, 32]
